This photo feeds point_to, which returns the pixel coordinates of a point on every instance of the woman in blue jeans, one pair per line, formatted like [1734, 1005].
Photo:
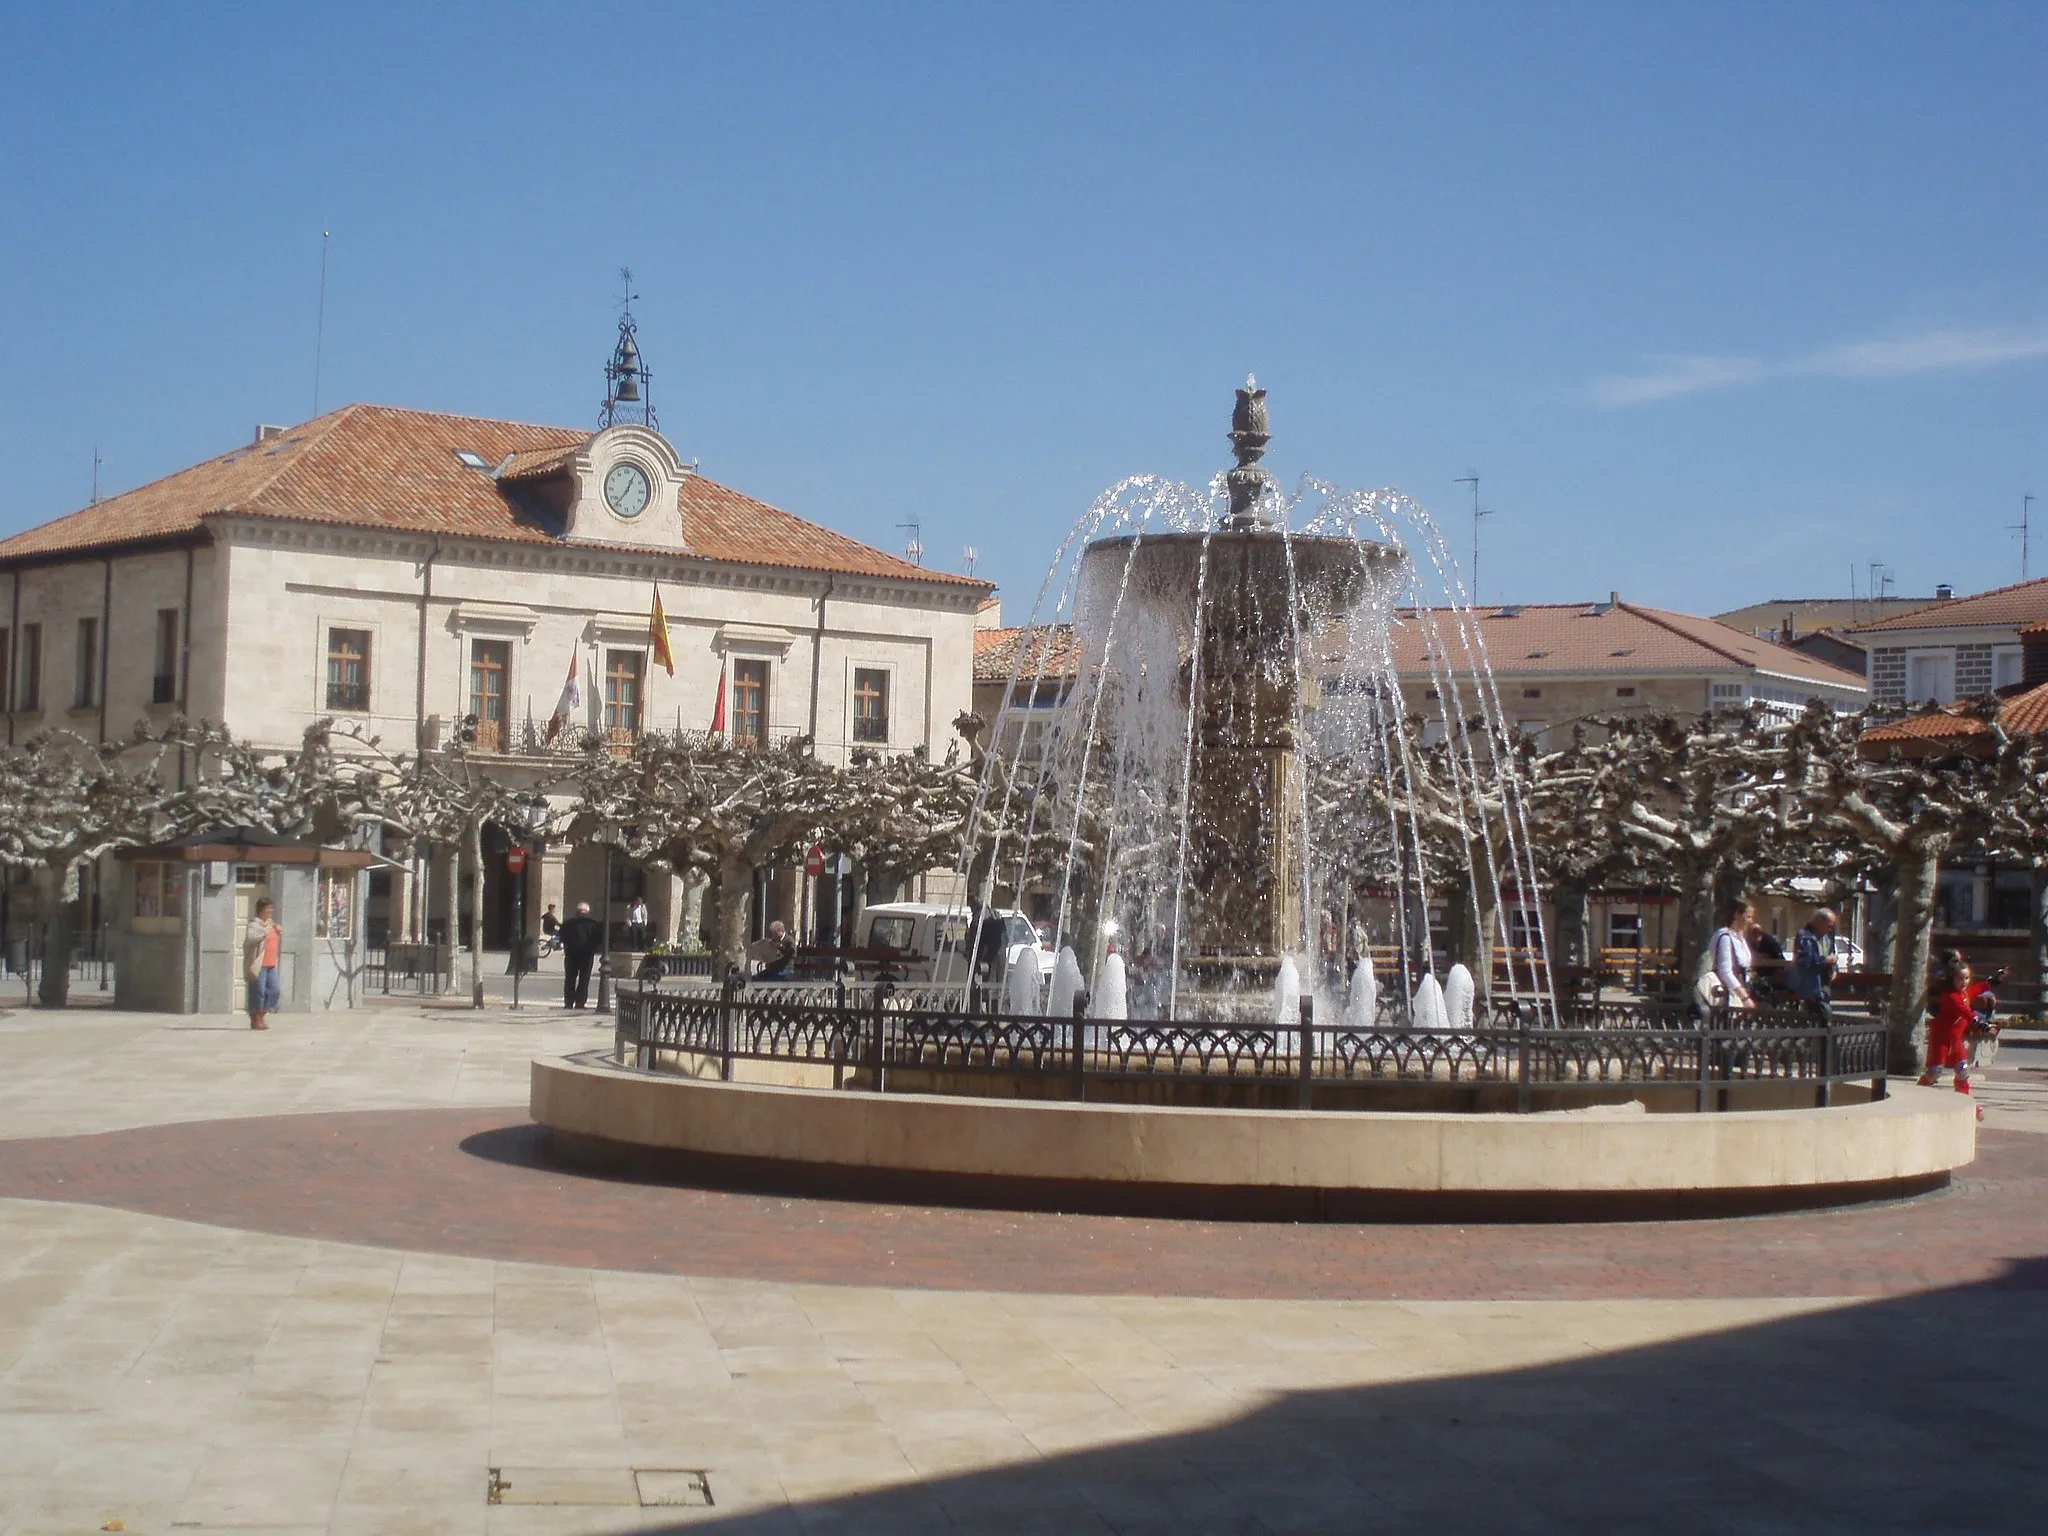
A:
[261, 942]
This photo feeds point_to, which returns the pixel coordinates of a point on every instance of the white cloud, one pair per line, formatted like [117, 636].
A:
[1890, 358]
[1679, 375]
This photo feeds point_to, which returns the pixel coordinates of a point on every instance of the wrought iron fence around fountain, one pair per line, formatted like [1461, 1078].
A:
[868, 1034]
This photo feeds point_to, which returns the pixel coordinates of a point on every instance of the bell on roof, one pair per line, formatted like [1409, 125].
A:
[626, 376]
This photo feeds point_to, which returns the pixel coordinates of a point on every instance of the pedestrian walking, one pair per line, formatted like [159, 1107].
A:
[1724, 974]
[262, 941]
[1957, 1001]
[636, 924]
[581, 938]
[1813, 963]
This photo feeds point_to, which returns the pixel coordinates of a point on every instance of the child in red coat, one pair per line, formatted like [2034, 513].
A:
[1958, 1000]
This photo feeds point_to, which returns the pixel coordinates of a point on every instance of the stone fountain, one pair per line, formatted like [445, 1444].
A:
[1245, 602]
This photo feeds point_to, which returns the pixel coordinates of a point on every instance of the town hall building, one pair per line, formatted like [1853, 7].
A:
[422, 573]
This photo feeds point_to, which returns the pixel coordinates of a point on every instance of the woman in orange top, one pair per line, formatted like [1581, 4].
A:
[261, 942]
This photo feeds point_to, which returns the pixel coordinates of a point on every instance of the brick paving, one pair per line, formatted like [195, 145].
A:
[474, 1182]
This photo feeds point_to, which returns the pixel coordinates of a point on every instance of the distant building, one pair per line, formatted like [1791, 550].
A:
[1957, 648]
[1558, 663]
[1042, 660]
[1818, 625]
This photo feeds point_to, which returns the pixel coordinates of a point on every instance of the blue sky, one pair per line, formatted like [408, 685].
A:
[1718, 300]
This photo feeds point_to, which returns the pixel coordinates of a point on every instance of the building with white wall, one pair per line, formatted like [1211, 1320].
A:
[408, 569]
[1957, 648]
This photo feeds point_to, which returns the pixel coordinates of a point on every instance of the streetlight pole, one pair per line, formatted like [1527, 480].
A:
[604, 907]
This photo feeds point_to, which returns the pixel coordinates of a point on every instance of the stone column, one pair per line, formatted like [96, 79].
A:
[398, 910]
[554, 880]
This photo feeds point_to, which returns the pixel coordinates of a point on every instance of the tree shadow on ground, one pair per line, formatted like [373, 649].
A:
[1926, 1413]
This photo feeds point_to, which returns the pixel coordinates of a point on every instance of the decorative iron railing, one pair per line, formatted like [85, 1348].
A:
[875, 1030]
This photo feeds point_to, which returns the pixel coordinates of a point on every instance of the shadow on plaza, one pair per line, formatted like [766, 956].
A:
[1926, 1413]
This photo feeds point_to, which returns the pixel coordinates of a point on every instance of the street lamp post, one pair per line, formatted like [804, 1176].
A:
[604, 960]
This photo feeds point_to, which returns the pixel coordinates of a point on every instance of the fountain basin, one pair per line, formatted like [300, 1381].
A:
[1274, 1164]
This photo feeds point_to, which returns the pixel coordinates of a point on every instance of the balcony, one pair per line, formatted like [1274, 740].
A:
[530, 740]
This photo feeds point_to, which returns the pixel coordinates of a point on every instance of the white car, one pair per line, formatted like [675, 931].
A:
[933, 939]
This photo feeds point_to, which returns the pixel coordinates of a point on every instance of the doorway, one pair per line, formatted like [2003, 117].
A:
[252, 885]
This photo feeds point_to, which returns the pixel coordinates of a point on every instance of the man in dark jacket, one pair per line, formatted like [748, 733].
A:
[582, 937]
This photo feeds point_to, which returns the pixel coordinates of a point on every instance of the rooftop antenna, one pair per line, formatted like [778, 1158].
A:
[626, 376]
[915, 548]
[1471, 478]
[320, 323]
[97, 461]
[2020, 528]
[969, 554]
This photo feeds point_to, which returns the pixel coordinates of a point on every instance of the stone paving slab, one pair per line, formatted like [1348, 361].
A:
[469, 1182]
[77, 1070]
[341, 1404]
[1042, 1376]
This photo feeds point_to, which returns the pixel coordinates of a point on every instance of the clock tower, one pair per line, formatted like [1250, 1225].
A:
[628, 479]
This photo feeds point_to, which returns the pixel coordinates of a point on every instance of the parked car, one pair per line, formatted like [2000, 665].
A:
[932, 937]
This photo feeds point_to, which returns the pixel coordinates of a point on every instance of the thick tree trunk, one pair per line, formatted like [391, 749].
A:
[1913, 944]
[474, 836]
[2037, 911]
[1485, 919]
[1882, 929]
[734, 886]
[451, 922]
[1696, 920]
[1568, 944]
[55, 988]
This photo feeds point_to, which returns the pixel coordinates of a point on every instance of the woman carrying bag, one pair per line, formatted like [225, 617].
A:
[1724, 973]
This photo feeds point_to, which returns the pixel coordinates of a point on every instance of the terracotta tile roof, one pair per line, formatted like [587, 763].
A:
[2021, 712]
[2024, 602]
[1614, 639]
[533, 463]
[373, 466]
[1936, 725]
[1051, 646]
[1809, 614]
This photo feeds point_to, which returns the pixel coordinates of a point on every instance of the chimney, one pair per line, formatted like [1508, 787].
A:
[264, 433]
[1943, 591]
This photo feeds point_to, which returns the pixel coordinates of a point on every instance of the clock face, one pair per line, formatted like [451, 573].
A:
[625, 489]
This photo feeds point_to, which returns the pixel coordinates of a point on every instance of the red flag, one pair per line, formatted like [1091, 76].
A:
[657, 632]
[718, 709]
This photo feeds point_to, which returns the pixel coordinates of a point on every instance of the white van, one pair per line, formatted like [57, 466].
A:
[920, 930]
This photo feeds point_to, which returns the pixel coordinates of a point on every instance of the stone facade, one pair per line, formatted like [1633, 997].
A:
[1888, 675]
[403, 585]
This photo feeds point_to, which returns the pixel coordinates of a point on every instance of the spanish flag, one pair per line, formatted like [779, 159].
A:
[657, 634]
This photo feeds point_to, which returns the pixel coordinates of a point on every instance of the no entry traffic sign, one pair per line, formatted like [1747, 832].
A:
[814, 861]
[515, 859]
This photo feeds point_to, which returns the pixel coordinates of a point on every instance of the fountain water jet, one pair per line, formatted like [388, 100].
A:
[1229, 662]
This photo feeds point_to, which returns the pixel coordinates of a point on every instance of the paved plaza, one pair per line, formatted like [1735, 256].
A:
[324, 1280]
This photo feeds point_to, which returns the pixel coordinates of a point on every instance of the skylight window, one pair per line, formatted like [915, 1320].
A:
[1538, 655]
[1626, 650]
[472, 460]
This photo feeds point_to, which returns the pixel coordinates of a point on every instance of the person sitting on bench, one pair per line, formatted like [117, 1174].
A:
[774, 954]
